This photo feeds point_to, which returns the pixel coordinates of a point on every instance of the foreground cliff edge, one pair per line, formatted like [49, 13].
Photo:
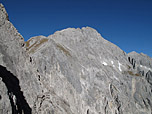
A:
[73, 71]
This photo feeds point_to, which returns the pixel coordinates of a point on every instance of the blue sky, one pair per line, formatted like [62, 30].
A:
[126, 23]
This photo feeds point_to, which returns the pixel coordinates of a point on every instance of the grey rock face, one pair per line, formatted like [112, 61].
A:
[73, 71]
[18, 80]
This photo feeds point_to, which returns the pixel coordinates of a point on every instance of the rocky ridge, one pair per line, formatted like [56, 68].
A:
[73, 71]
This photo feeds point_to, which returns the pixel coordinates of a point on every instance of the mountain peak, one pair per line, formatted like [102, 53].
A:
[3, 15]
[73, 71]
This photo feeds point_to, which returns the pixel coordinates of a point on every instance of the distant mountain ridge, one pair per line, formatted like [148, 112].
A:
[73, 71]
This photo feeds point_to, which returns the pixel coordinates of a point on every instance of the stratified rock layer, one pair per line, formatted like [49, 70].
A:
[73, 71]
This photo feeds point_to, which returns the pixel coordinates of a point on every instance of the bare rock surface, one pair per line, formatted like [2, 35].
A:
[73, 71]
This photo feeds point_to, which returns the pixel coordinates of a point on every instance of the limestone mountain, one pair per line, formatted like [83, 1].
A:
[73, 71]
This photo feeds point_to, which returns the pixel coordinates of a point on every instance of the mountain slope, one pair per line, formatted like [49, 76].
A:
[73, 71]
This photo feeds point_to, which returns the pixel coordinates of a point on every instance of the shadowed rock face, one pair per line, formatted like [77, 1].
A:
[73, 71]
[17, 100]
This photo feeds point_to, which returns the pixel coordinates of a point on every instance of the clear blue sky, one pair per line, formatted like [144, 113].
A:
[126, 23]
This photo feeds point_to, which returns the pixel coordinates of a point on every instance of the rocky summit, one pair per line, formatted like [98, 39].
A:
[73, 71]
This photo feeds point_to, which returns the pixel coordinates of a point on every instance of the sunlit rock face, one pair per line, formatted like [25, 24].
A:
[73, 71]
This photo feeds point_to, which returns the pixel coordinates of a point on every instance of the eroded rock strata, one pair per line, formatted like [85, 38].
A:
[73, 71]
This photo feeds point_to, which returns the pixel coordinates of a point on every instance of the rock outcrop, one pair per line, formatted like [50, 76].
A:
[73, 71]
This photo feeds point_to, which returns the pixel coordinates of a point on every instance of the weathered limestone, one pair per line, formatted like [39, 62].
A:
[73, 71]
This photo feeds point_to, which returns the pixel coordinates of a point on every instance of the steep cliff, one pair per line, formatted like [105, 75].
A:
[73, 71]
